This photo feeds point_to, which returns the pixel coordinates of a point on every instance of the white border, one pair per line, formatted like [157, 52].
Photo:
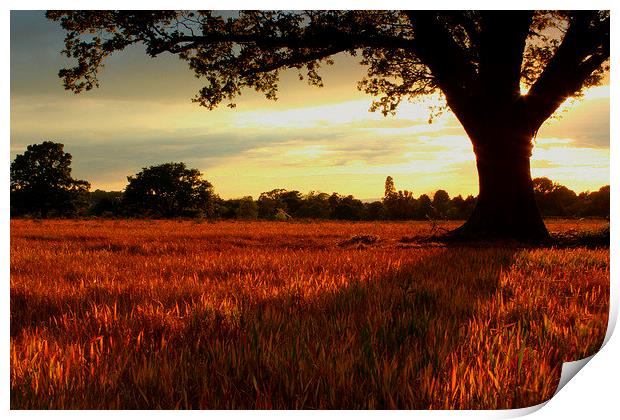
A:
[592, 394]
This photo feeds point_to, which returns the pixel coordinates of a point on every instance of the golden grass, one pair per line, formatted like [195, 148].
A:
[167, 314]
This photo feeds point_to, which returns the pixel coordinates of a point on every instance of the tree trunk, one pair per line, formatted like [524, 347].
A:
[506, 206]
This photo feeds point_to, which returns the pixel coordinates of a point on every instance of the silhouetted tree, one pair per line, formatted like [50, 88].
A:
[441, 204]
[601, 201]
[168, 190]
[563, 199]
[390, 199]
[469, 206]
[292, 201]
[279, 199]
[41, 183]
[594, 203]
[315, 205]
[552, 198]
[229, 208]
[217, 209]
[543, 185]
[347, 208]
[559, 201]
[375, 211]
[105, 203]
[477, 59]
[461, 209]
[390, 189]
[269, 202]
[407, 205]
[454, 208]
[424, 210]
[399, 205]
[247, 209]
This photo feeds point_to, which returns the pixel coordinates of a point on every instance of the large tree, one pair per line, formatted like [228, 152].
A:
[41, 182]
[169, 190]
[479, 61]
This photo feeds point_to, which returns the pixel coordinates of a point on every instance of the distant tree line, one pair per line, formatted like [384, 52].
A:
[42, 186]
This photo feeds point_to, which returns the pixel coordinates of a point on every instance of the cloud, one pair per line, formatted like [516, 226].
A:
[309, 139]
[578, 168]
[586, 121]
[105, 153]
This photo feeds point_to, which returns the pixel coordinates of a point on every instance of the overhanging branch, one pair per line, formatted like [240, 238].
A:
[583, 50]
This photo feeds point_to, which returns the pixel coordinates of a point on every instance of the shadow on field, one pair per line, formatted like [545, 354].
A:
[408, 323]
[572, 238]
[589, 239]
[380, 343]
[31, 310]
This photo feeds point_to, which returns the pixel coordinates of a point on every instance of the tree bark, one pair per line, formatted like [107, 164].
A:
[506, 206]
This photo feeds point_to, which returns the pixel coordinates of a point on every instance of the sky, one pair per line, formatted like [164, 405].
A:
[311, 139]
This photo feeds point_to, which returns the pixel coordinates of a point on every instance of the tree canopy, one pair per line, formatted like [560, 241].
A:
[464, 54]
[41, 182]
[168, 190]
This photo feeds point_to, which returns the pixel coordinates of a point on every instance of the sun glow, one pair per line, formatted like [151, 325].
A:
[310, 139]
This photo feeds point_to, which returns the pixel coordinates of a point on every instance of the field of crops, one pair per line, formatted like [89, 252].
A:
[182, 314]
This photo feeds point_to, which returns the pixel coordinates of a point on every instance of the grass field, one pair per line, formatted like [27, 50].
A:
[170, 314]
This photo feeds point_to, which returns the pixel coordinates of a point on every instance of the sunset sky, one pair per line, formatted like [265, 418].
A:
[321, 139]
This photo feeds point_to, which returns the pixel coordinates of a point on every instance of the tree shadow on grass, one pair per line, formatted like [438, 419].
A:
[590, 239]
[370, 344]
[387, 340]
